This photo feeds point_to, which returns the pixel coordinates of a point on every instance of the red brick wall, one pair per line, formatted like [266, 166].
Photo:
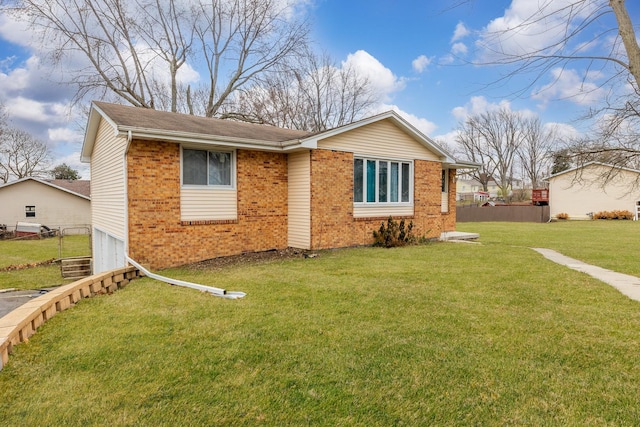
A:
[450, 217]
[157, 236]
[427, 198]
[332, 222]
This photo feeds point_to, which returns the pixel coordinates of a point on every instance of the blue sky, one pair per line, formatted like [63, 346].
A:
[417, 53]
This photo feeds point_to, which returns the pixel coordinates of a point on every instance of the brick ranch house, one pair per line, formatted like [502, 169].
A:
[170, 189]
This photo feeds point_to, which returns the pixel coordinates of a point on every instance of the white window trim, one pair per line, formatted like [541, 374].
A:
[364, 203]
[446, 181]
[216, 150]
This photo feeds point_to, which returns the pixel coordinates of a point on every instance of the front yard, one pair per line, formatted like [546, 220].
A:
[442, 334]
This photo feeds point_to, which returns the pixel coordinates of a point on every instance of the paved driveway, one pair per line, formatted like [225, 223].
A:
[14, 299]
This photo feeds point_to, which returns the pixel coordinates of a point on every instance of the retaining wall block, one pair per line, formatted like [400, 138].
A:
[25, 333]
[4, 352]
[49, 312]
[96, 287]
[75, 296]
[85, 291]
[63, 304]
[37, 321]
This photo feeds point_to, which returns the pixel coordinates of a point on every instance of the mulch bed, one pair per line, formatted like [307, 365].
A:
[249, 258]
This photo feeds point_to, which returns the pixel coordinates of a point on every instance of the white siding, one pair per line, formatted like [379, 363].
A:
[53, 207]
[108, 252]
[381, 139]
[208, 204]
[381, 211]
[581, 193]
[108, 196]
[299, 216]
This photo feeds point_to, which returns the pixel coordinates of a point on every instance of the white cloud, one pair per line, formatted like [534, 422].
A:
[478, 105]
[530, 26]
[569, 85]
[563, 131]
[63, 134]
[31, 110]
[421, 63]
[447, 59]
[15, 32]
[382, 79]
[459, 49]
[448, 141]
[423, 125]
[460, 32]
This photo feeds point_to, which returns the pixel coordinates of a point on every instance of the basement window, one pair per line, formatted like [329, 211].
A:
[30, 211]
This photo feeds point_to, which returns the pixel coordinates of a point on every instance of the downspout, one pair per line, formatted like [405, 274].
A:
[210, 289]
[126, 195]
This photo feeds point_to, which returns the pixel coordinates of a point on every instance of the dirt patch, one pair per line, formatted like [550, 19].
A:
[29, 265]
[250, 258]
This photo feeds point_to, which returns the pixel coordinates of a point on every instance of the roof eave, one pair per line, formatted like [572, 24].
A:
[455, 164]
[196, 138]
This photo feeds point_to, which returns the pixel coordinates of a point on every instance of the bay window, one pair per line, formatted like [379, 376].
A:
[377, 181]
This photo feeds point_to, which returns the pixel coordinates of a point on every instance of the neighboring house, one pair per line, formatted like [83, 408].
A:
[55, 203]
[591, 188]
[170, 189]
[471, 189]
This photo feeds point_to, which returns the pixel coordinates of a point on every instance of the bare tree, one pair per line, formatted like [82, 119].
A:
[535, 150]
[135, 50]
[258, 34]
[561, 34]
[492, 139]
[22, 155]
[313, 94]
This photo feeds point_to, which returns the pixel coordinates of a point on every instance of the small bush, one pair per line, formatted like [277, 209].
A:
[562, 215]
[613, 215]
[394, 234]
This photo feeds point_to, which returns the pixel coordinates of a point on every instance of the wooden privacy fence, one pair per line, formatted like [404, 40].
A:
[21, 323]
[507, 213]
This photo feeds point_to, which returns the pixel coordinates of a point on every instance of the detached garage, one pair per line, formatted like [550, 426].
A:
[593, 187]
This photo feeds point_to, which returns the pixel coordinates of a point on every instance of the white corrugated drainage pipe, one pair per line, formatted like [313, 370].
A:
[210, 289]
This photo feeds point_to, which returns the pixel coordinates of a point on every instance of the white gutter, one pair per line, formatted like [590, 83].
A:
[210, 289]
[195, 138]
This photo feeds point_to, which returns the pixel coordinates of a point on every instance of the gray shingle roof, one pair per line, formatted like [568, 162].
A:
[143, 118]
[80, 186]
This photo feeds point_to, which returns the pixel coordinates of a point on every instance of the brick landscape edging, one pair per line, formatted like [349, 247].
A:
[19, 325]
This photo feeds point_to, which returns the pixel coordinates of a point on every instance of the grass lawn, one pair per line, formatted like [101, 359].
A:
[442, 334]
[609, 244]
[18, 252]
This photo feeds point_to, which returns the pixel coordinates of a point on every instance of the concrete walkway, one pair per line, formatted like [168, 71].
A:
[628, 285]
